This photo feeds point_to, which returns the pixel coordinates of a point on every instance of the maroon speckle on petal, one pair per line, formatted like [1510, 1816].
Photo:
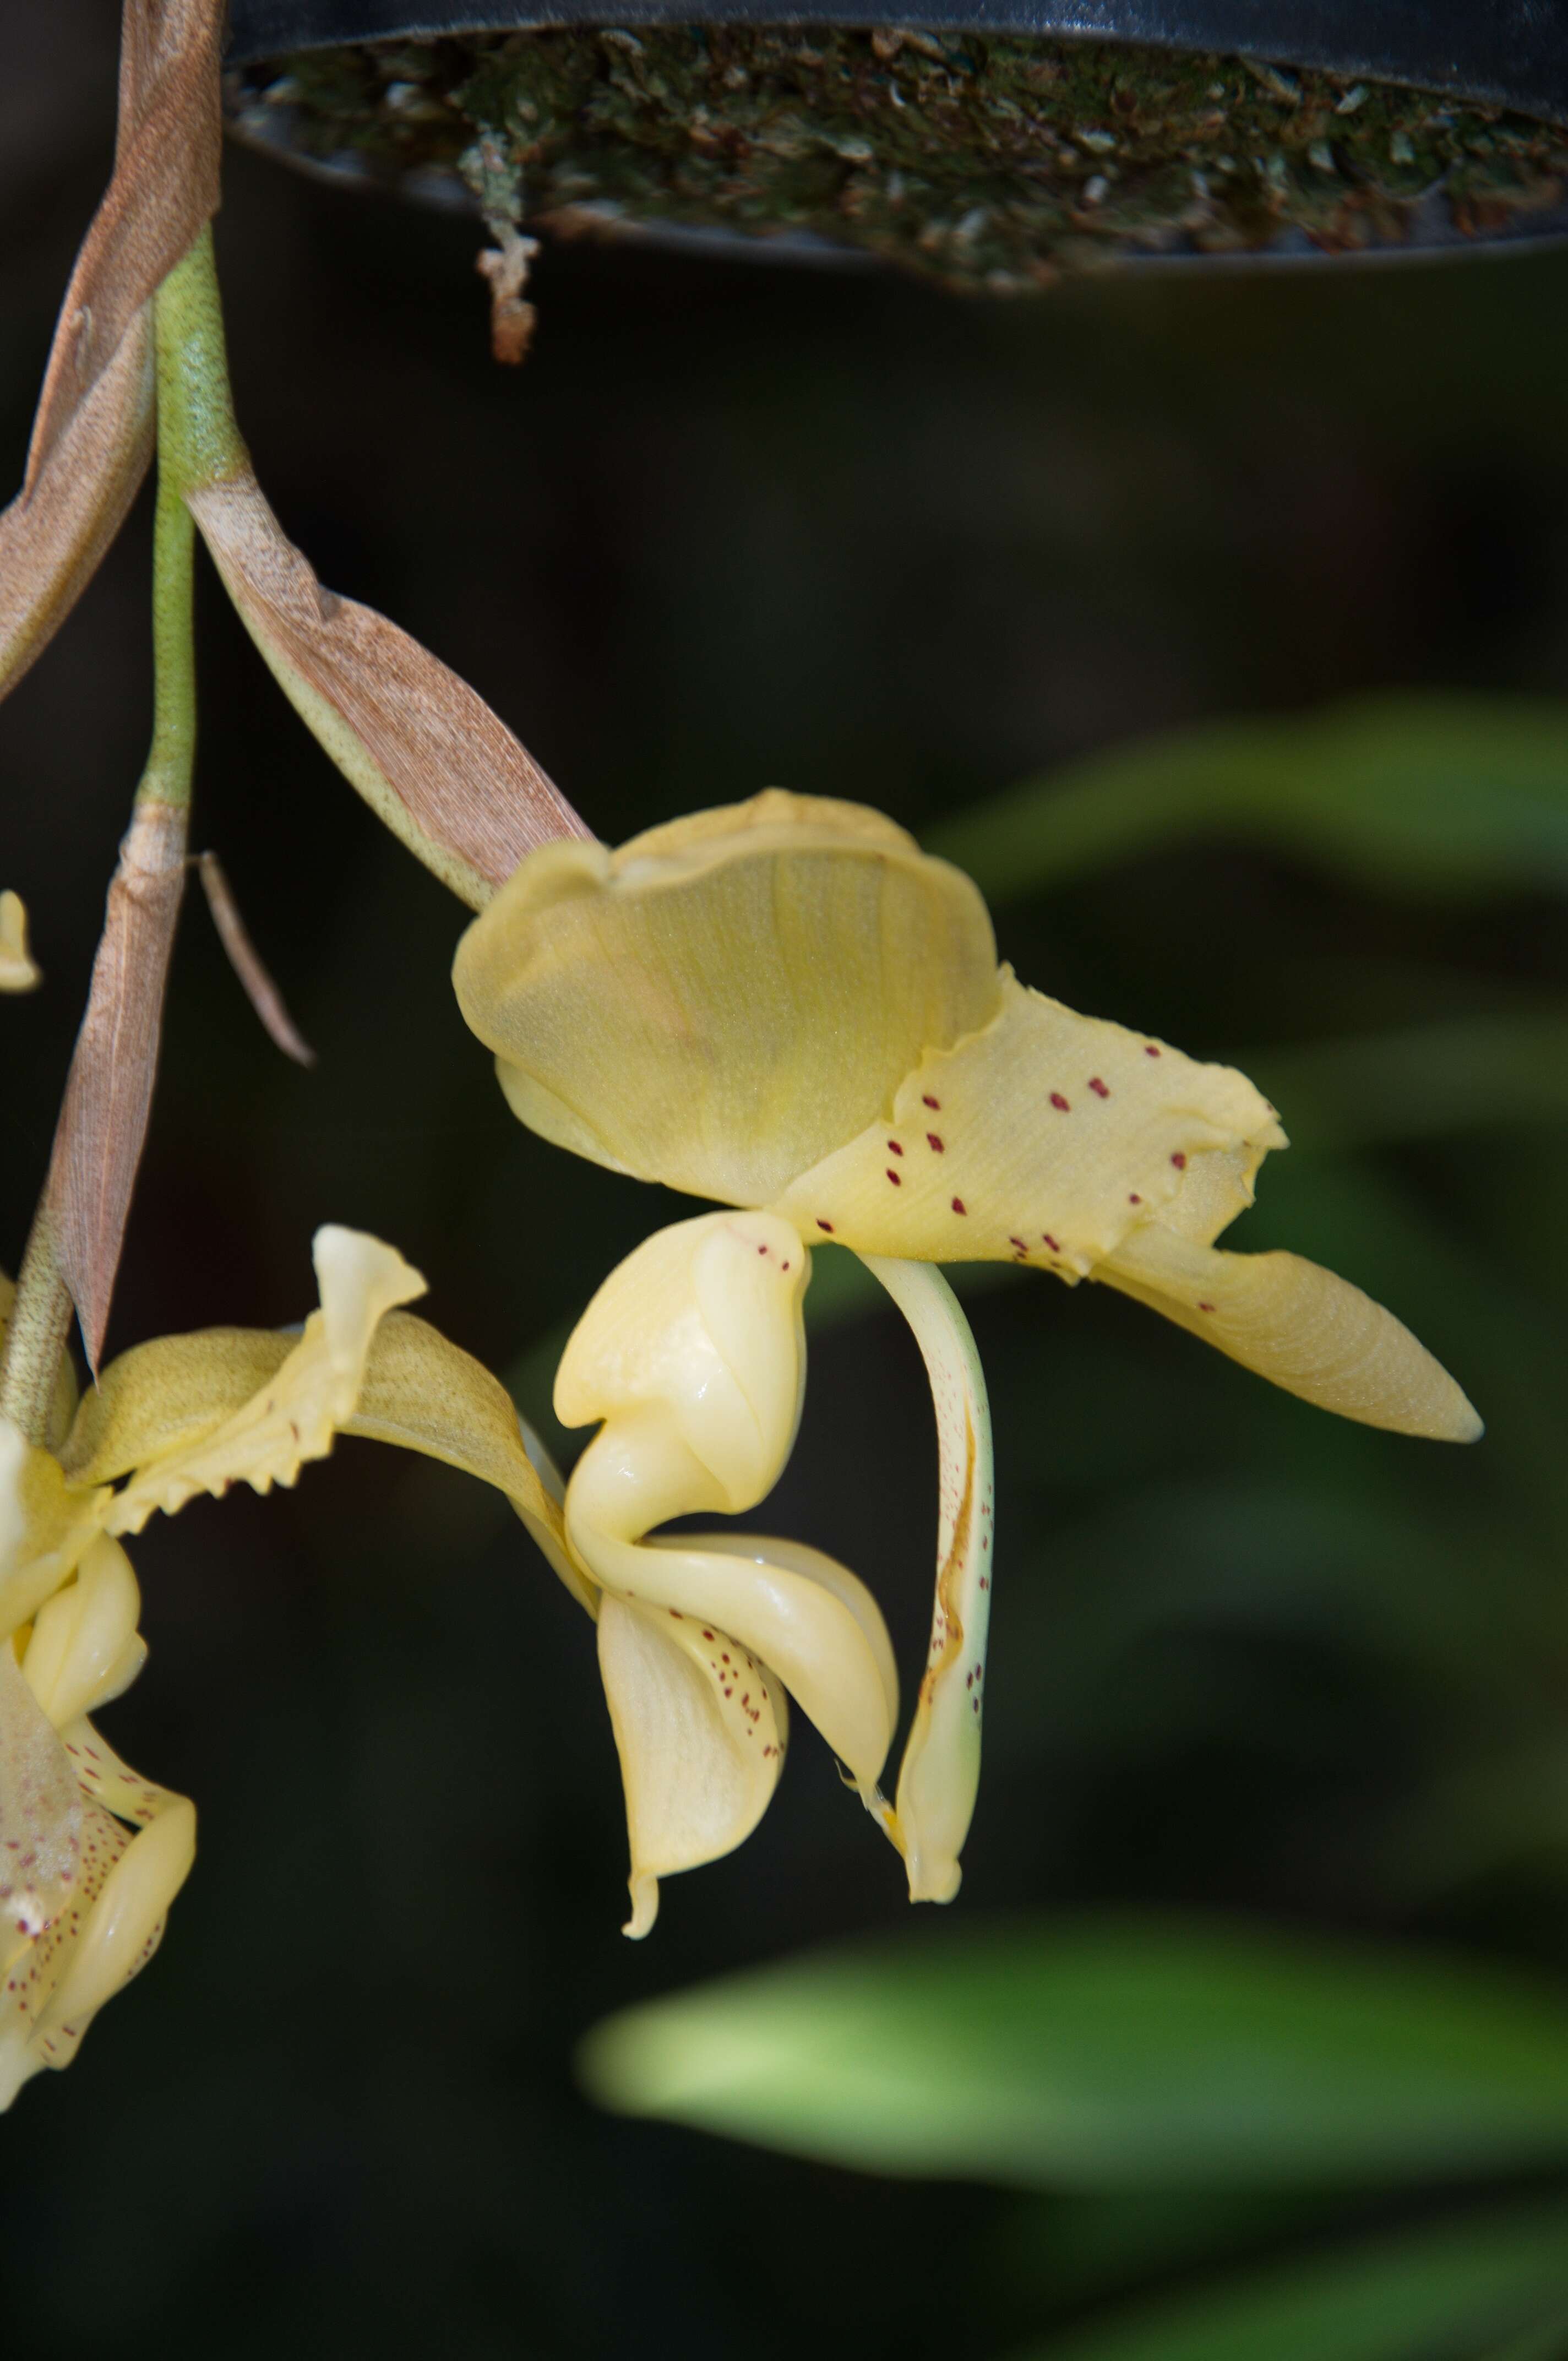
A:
[1134, 1198]
[1149, 1049]
[895, 1147]
[959, 1206]
[1046, 1239]
[934, 1144]
[823, 1226]
[895, 1178]
[1178, 1160]
[926, 1100]
[1100, 1089]
[1059, 1104]
[1205, 1306]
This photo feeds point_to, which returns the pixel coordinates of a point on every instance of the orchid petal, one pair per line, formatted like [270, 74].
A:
[1298, 1325]
[105, 1779]
[312, 1395]
[419, 1390]
[939, 1777]
[160, 1397]
[779, 1618]
[84, 1647]
[427, 1394]
[1045, 1138]
[701, 1329]
[107, 1935]
[40, 1817]
[699, 1767]
[693, 1355]
[813, 1565]
[90, 1910]
[44, 1527]
[18, 970]
[721, 1002]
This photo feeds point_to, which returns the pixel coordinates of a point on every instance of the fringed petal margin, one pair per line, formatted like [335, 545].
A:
[939, 1777]
[155, 1403]
[314, 1393]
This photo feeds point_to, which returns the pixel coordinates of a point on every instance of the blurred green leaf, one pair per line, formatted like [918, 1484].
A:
[1450, 2290]
[1420, 1081]
[1104, 2053]
[1446, 794]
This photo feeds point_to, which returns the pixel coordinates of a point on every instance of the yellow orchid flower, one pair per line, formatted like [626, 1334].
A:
[19, 971]
[787, 1007]
[91, 1854]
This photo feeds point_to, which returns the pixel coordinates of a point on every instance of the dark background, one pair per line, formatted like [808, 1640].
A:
[733, 525]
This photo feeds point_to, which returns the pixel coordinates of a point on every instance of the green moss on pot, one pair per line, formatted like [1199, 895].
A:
[978, 161]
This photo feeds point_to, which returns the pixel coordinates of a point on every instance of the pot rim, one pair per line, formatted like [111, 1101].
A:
[1509, 53]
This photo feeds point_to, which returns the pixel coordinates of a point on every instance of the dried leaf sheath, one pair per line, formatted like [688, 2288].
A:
[93, 434]
[108, 1096]
[426, 752]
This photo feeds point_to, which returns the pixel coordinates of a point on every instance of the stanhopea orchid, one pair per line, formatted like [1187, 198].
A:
[786, 1008]
[92, 1854]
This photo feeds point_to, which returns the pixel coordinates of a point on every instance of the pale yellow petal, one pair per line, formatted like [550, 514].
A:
[723, 1001]
[312, 1395]
[425, 1394]
[419, 1392]
[1043, 1139]
[44, 1527]
[40, 1817]
[940, 1778]
[84, 1647]
[694, 1355]
[813, 1565]
[121, 1931]
[699, 1767]
[703, 1323]
[104, 1778]
[814, 1642]
[1300, 1327]
[163, 1396]
[17, 973]
[27, 2041]
[111, 1917]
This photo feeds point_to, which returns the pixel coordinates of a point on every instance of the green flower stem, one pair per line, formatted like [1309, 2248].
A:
[197, 443]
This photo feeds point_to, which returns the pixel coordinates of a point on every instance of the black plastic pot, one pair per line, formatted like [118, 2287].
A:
[1511, 54]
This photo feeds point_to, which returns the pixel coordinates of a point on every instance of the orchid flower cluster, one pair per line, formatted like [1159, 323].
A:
[783, 1008]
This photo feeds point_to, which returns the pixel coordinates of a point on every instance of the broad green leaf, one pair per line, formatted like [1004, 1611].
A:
[1122, 2052]
[1461, 2289]
[1456, 794]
